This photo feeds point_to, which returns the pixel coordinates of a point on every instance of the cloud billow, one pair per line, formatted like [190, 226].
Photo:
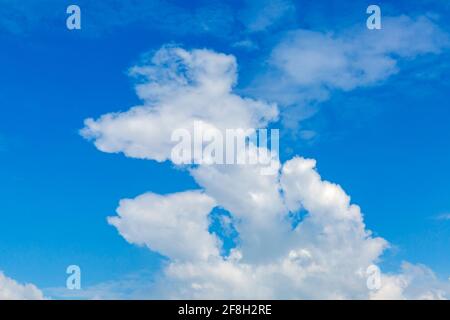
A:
[328, 252]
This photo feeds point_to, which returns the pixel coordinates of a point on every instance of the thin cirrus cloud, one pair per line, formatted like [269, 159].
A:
[325, 256]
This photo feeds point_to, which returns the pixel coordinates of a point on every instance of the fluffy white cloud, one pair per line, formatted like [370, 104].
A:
[175, 225]
[271, 262]
[254, 200]
[11, 290]
[325, 255]
[178, 87]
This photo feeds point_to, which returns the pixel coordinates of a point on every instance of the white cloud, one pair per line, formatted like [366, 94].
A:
[324, 256]
[12, 290]
[306, 65]
[178, 87]
[175, 225]
[253, 199]
[355, 58]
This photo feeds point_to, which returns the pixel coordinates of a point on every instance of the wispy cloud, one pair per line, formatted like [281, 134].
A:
[443, 216]
[306, 66]
[260, 15]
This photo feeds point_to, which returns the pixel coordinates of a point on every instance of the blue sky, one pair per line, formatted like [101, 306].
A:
[387, 144]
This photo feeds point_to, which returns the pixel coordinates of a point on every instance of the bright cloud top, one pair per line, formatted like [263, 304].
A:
[325, 255]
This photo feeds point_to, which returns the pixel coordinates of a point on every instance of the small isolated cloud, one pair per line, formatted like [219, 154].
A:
[324, 255]
[12, 290]
[246, 44]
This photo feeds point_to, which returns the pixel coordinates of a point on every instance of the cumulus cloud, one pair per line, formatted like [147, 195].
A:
[175, 225]
[178, 87]
[253, 199]
[324, 257]
[323, 253]
[12, 290]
